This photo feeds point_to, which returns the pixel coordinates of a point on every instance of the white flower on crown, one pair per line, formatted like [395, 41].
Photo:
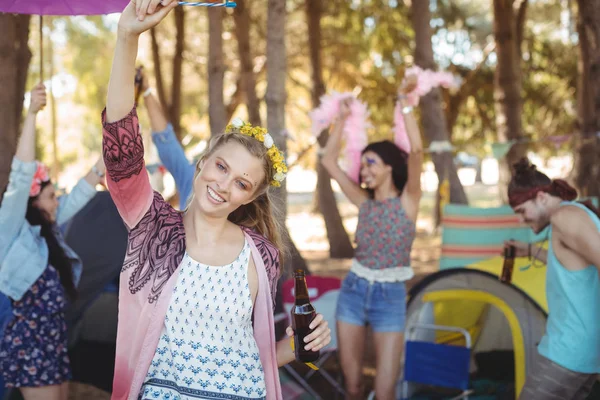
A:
[268, 141]
[279, 176]
[237, 122]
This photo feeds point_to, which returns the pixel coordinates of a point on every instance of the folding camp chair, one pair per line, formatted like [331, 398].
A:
[437, 364]
[323, 293]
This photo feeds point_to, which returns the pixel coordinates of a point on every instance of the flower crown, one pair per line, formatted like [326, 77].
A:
[40, 177]
[279, 166]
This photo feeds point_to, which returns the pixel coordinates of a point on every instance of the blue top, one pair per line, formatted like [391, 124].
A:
[572, 338]
[173, 158]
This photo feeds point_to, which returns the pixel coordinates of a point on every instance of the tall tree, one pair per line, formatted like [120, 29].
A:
[433, 119]
[339, 241]
[14, 64]
[247, 79]
[509, 17]
[217, 114]
[172, 105]
[276, 99]
[588, 104]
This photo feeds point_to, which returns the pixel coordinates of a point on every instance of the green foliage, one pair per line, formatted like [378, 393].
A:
[366, 46]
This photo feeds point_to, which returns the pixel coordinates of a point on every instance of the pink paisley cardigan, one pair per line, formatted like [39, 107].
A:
[156, 246]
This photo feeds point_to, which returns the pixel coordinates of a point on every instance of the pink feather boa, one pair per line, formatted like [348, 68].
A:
[426, 81]
[355, 128]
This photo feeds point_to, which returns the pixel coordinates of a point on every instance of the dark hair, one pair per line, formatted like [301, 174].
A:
[527, 181]
[393, 156]
[526, 176]
[56, 255]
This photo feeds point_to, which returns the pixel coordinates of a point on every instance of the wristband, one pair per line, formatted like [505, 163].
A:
[407, 109]
[97, 172]
[147, 92]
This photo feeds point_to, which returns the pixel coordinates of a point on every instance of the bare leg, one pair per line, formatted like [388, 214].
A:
[388, 351]
[53, 392]
[64, 391]
[351, 344]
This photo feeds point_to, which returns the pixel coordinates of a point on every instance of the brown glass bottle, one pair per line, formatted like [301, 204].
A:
[509, 264]
[302, 315]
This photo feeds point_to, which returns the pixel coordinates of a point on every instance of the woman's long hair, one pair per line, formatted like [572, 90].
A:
[56, 255]
[393, 156]
[260, 215]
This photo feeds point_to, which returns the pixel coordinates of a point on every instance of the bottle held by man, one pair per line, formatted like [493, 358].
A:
[509, 264]
[302, 315]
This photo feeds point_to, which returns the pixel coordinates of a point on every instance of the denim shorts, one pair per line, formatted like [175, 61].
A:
[379, 304]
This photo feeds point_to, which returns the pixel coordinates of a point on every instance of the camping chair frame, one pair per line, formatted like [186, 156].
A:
[315, 283]
[409, 334]
[302, 380]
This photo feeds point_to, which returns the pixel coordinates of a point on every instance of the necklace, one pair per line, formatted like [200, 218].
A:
[533, 262]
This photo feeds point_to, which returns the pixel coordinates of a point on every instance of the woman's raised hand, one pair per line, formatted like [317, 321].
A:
[409, 83]
[38, 98]
[141, 15]
[345, 108]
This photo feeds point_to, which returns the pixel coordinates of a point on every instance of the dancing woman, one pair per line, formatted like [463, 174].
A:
[373, 293]
[38, 271]
[197, 287]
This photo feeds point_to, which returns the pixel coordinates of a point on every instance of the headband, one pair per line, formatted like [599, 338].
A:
[558, 187]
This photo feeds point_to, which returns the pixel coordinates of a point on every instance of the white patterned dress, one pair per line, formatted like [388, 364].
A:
[207, 348]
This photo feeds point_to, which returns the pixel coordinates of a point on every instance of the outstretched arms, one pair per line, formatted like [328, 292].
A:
[331, 153]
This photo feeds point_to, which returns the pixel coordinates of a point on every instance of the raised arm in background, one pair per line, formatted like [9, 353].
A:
[169, 148]
[411, 196]
[14, 202]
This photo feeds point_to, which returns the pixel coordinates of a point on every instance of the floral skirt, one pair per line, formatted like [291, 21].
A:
[33, 347]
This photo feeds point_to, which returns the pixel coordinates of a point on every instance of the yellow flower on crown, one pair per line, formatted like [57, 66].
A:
[280, 168]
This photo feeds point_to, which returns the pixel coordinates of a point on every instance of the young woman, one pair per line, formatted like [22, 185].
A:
[195, 302]
[38, 271]
[373, 293]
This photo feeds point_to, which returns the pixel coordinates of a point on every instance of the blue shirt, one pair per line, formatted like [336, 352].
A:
[173, 158]
[572, 338]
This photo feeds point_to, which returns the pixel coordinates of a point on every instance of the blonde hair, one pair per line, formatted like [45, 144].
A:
[261, 214]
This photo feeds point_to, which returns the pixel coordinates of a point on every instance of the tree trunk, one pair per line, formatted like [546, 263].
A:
[276, 99]
[507, 86]
[520, 27]
[588, 104]
[433, 118]
[242, 31]
[217, 114]
[339, 241]
[175, 108]
[14, 64]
